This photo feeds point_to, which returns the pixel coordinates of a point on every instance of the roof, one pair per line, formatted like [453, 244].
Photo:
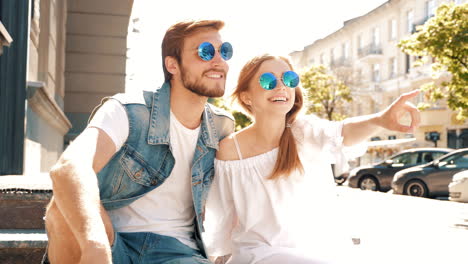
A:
[428, 149]
[348, 23]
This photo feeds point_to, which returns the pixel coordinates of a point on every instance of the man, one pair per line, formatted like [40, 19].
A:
[132, 187]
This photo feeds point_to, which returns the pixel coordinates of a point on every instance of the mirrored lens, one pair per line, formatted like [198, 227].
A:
[268, 81]
[290, 79]
[226, 51]
[206, 51]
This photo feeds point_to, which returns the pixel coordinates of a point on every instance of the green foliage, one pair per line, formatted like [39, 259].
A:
[325, 93]
[241, 120]
[445, 38]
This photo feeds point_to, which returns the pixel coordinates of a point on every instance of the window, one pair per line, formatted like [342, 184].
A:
[455, 161]
[332, 55]
[345, 50]
[376, 36]
[458, 2]
[392, 68]
[322, 58]
[437, 155]
[359, 43]
[452, 139]
[463, 138]
[405, 159]
[409, 21]
[376, 72]
[392, 28]
[430, 8]
[407, 63]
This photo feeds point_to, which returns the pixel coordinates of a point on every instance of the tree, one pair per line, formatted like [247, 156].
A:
[445, 38]
[241, 120]
[326, 94]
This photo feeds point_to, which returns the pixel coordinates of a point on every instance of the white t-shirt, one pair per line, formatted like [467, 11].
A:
[167, 210]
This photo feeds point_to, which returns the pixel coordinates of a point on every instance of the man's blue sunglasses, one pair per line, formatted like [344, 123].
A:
[206, 51]
[268, 80]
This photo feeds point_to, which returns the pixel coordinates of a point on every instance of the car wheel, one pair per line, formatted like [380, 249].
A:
[369, 183]
[416, 188]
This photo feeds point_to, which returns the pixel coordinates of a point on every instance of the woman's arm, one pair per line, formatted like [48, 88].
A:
[358, 129]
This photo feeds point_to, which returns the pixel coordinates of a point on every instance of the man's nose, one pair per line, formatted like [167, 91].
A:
[218, 61]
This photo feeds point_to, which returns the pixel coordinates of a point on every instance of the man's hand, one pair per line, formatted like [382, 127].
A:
[389, 118]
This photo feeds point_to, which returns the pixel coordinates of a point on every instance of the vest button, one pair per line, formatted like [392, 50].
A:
[138, 174]
[154, 182]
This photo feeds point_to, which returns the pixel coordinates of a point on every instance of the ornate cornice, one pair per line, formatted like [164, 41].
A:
[46, 107]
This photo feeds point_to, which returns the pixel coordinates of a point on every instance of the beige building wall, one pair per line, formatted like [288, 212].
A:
[96, 56]
[77, 55]
[365, 48]
[46, 123]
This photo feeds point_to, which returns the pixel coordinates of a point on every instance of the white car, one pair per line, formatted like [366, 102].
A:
[458, 188]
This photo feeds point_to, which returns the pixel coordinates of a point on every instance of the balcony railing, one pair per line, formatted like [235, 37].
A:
[341, 62]
[371, 49]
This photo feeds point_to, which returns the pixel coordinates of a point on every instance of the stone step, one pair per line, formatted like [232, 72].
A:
[18, 246]
[23, 200]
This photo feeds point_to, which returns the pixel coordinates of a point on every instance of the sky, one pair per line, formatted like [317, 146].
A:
[253, 27]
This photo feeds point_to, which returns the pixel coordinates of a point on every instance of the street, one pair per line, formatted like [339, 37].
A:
[389, 228]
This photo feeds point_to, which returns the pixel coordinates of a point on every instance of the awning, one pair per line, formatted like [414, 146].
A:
[389, 142]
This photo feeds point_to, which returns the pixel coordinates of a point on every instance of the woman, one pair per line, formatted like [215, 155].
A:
[266, 204]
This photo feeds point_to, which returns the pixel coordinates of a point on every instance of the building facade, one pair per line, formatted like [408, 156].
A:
[365, 52]
[63, 58]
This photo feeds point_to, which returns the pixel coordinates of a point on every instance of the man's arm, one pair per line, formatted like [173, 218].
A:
[76, 190]
[358, 129]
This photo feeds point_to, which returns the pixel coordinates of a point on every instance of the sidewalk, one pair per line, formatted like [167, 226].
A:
[403, 229]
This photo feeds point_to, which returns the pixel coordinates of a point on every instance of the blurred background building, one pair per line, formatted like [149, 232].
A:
[363, 53]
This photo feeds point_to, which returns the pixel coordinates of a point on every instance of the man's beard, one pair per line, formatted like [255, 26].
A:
[198, 88]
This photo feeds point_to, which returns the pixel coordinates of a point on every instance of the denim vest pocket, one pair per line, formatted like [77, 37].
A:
[138, 170]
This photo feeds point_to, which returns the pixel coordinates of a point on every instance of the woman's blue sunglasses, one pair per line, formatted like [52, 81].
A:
[206, 51]
[268, 80]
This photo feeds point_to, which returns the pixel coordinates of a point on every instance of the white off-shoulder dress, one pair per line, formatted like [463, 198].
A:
[292, 219]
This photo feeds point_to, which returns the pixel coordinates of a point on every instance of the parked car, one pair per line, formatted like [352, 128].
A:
[432, 179]
[458, 188]
[378, 177]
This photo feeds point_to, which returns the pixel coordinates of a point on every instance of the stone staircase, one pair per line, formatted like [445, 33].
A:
[22, 205]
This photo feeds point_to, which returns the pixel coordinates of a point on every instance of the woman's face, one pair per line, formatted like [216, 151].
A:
[277, 101]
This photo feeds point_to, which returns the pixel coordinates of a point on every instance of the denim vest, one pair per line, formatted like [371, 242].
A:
[145, 160]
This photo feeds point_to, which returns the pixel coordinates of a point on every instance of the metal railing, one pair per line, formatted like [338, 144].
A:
[341, 62]
[371, 49]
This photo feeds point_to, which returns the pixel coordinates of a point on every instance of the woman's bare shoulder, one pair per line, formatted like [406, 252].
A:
[227, 149]
[227, 146]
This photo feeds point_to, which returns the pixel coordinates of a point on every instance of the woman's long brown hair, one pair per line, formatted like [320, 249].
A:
[288, 157]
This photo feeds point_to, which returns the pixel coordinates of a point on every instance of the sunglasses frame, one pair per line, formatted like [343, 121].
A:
[212, 51]
[276, 80]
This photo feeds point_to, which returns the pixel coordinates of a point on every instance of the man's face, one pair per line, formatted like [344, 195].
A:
[205, 78]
